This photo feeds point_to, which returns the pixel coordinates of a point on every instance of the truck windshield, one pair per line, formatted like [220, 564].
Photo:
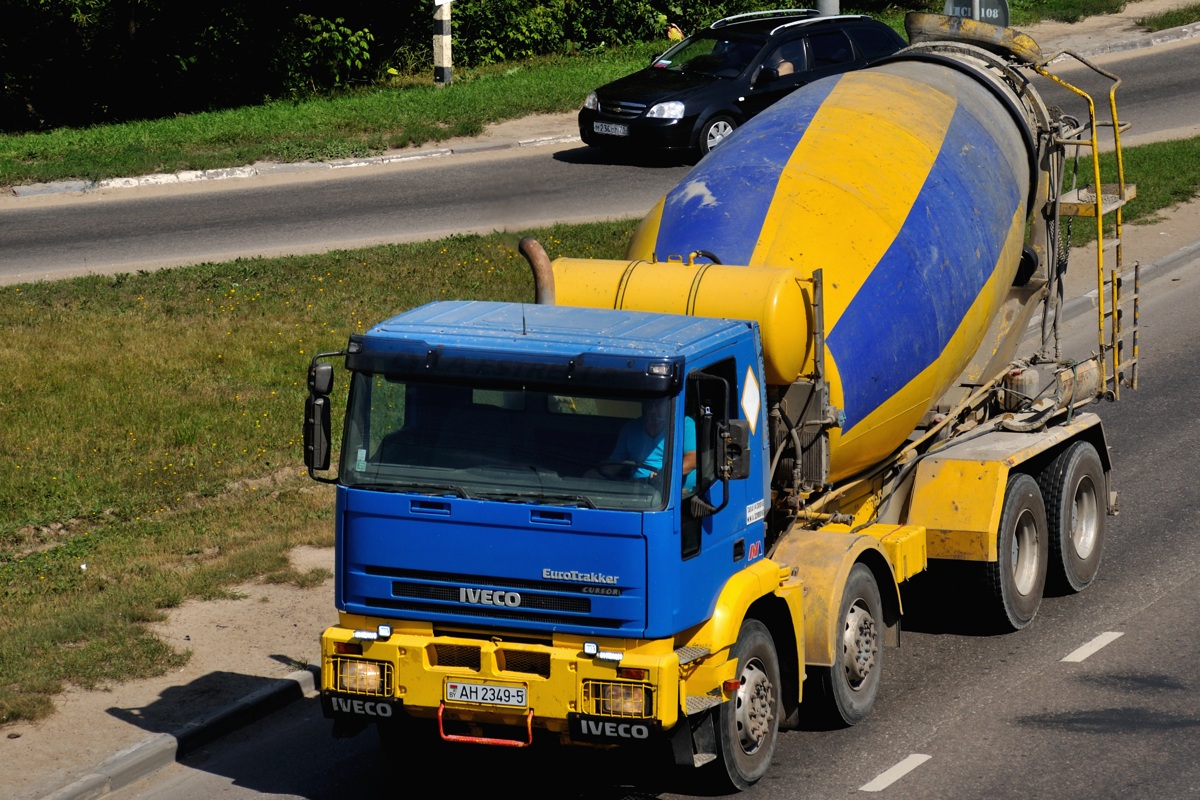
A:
[511, 445]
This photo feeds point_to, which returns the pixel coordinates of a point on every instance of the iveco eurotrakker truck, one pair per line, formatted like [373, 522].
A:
[674, 499]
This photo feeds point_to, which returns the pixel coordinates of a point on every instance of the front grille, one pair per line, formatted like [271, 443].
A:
[483, 612]
[460, 656]
[343, 679]
[622, 109]
[451, 594]
[524, 661]
[612, 699]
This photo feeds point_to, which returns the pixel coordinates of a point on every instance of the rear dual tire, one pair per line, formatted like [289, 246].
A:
[1017, 579]
[1074, 490]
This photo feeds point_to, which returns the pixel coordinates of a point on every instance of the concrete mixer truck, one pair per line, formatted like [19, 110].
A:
[673, 502]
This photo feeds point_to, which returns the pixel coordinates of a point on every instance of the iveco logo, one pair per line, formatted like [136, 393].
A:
[488, 597]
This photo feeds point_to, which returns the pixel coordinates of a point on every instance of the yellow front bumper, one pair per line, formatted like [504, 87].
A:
[508, 680]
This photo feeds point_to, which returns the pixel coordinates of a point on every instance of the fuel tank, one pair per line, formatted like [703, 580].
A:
[907, 184]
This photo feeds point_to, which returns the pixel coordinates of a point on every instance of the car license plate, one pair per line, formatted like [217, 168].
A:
[492, 694]
[610, 129]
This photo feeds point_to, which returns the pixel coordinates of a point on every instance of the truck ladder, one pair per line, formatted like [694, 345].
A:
[1117, 365]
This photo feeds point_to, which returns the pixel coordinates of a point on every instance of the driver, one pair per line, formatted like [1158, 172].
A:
[643, 440]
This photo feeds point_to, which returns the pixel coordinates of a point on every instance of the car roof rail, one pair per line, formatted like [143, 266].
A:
[779, 12]
[815, 20]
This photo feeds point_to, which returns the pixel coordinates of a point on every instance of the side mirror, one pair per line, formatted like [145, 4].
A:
[735, 439]
[766, 75]
[317, 417]
[316, 433]
[320, 379]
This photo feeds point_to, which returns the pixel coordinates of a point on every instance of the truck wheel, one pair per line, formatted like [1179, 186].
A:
[849, 687]
[1018, 577]
[748, 725]
[1073, 488]
[714, 131]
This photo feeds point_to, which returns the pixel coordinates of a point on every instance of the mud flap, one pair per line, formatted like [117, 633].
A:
[694, 740]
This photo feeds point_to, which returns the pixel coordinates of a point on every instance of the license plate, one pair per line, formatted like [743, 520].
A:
[491, 694]
[610, 129]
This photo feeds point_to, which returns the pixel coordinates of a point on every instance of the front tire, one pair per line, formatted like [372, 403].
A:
[1073, 489]
[1017, 579]
[748, 725]
[714, 132]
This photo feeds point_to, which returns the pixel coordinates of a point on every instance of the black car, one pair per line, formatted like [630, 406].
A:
[696, 93]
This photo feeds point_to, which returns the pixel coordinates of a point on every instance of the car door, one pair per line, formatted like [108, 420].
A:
[783, 70]
[830, 53]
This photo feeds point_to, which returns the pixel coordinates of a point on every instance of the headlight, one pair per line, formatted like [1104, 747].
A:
[592, 102]
[672, 110]
[359, 676]
[625, 701]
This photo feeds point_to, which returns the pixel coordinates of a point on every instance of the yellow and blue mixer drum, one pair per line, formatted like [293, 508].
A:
[908, 185]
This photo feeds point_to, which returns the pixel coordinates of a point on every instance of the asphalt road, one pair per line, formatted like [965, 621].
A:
[970, 716]
[130, 229]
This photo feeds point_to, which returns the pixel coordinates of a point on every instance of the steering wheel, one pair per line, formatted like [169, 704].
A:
[616, 470]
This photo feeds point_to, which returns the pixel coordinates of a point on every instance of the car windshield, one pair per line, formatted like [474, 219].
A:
[715, 56]
[510, 445]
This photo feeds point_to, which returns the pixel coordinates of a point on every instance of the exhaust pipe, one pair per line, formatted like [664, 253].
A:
[543, 274]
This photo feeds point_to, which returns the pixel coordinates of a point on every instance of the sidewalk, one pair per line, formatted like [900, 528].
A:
[251, 655]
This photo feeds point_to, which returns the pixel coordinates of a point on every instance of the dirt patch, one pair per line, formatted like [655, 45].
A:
[236, 646]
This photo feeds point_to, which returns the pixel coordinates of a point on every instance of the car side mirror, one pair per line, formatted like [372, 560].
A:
[766, 75]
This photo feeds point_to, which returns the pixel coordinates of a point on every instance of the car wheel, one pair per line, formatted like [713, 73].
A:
[714, 131]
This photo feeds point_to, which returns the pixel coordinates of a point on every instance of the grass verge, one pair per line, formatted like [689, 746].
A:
[1184, 15]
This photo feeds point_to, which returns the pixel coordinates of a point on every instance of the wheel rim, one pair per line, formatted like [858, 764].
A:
[755, 707]
[1024, 554]
[1085, 518]
[717, 132]
[859, 646]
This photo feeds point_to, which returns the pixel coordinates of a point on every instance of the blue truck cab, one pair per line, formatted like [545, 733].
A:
[506, 561]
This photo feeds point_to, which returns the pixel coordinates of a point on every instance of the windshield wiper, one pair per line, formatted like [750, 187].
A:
[436, 489]
[547, 498]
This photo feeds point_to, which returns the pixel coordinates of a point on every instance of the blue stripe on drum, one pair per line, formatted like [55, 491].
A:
[914, 300]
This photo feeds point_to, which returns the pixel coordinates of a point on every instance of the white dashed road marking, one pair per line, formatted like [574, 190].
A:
[894, 774]
[1091, 647]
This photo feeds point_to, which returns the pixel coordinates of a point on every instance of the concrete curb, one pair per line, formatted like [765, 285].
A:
[162, 749]
[272, 168]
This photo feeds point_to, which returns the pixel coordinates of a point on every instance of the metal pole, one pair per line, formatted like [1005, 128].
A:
[829, 8]
[442, 72]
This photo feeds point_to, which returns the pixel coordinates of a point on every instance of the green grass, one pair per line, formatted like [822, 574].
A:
[1184, 15]
[1166, 174]
[349, 125]
[1028, 12]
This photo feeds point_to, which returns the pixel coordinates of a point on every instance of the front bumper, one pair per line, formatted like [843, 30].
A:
[646, 134]
[582, 689]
